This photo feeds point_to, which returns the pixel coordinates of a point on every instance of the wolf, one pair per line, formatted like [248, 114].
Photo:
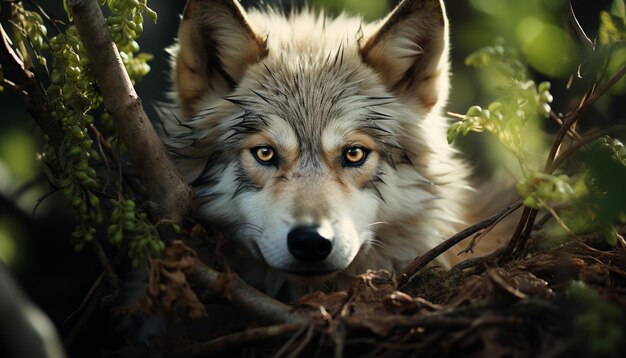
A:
[319, 141]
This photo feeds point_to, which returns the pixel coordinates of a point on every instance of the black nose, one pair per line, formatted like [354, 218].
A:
[306, 244]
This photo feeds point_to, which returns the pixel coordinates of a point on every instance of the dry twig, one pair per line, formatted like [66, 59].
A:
[411, 269]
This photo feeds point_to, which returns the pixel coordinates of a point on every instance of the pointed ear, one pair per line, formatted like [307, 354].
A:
[216, 44]
[410, 51]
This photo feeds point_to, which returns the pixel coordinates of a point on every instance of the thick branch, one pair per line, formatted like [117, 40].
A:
[245, 297]
[164, 184]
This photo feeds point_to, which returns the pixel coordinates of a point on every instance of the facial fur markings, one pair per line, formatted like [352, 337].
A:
[307, 87]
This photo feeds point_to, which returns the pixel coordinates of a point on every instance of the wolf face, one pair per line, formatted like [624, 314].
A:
[317, 139]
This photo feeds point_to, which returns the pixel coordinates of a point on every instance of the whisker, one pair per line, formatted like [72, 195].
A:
[249, 226]
[376, 223]
[377, 242]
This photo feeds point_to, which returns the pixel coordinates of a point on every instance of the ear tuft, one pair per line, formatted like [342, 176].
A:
[216, 46]
[410, 51]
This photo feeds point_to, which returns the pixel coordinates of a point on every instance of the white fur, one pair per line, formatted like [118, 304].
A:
[420, 198]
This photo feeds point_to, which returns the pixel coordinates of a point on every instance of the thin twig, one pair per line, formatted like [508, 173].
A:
[561, 222]
[84, 312]
[107, 152]
[526, 223]
[575, 147]
[304, 342]
[480, 235]
[600, 92]
[102, 143]
[411, 269]
[542, 222]
[84, 302]
[338, 328]
[281, 352]
[97, 295]
[43, 198]
[568, 121]
[570, 131]
[33, 93]
[475, 261]
[579, 30]
[109, 273]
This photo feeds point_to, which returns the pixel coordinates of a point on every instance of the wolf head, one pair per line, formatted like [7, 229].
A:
[318, 139]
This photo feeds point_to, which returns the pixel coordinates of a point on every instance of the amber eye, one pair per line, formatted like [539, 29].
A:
[354, 156]
[264, 154]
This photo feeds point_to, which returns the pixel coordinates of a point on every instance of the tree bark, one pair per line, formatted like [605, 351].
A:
[246, 297]
[164, 184]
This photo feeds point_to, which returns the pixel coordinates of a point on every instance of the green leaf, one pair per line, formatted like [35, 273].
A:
[152, 14]
[539, 190]
[504, 60]
[612, 29]
[453, 132]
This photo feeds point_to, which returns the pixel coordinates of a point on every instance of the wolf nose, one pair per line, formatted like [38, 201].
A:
[308, 244]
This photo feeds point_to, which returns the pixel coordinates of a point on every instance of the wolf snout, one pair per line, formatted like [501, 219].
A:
[310, 243]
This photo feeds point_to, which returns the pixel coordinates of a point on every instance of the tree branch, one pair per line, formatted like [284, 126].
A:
[244, 296]
[411, 269]
[526, 223]
[164, 184]
[589, 45]
[564, 155]
[32, 92]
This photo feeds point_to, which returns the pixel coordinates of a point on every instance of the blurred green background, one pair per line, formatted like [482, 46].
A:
[36, 245]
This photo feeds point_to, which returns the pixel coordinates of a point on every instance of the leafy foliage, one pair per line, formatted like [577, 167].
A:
[613, 24]
[126, 220]
[28, 27]
[73, 97]
[587, 195]
[513, 118]
[612, 40]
